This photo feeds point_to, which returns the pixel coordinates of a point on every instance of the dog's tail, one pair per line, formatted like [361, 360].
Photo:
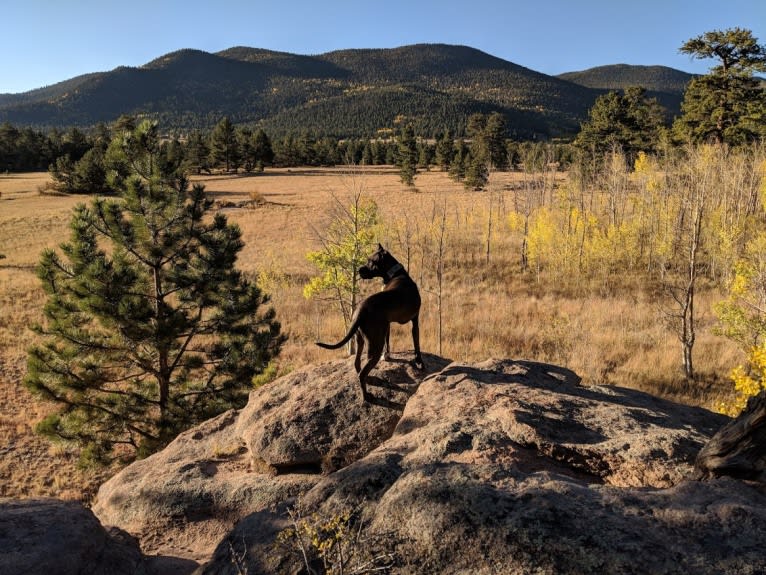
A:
[344, 341]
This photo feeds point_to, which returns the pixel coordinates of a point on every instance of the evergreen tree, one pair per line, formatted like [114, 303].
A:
[86, 176]
[262, 150]
[445, 150]
[149, 327]
[171, 157]
[407, 155]
[512, 154]
[628, 121]
[305, 148]
[367, 158]
[224, 146]
[727, 105]
[9, 135]
[326, 151]
[390, 153]
[74, 144]
[477, 167]
[459, 161]
[286, 152]
[494, 140]
[197, 153]
[476, 174]
[246, 153]
[379, 151]
[425, 155]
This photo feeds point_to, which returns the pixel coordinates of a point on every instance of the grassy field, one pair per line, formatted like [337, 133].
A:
[609, 332]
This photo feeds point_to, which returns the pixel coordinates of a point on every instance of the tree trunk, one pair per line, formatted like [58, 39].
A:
[687, 333]
[739, 448]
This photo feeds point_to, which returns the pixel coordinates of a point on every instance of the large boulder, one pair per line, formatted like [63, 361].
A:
[183, 500]
[52, 537]
[516, 467]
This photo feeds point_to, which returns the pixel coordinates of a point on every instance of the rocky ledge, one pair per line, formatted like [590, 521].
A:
[498, 467]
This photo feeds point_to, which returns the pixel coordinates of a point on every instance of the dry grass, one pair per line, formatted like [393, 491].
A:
[613, 335]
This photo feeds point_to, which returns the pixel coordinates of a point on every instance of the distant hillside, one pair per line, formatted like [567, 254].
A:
[342, 93]
[665, 84]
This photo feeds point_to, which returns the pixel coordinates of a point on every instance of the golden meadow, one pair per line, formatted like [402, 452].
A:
[546, 265]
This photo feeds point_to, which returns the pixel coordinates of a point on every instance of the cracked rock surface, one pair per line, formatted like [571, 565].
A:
[496, 467]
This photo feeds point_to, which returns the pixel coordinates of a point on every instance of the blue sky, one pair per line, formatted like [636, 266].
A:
[47, 41]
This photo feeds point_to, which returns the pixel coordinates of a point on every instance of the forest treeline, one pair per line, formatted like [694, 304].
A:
[24, 149]
[76, 158]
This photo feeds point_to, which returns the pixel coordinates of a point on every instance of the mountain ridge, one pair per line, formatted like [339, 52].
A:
[352, 92]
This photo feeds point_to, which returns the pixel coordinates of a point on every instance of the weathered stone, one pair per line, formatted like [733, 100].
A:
[515, 467]
[183, 500]
[498, 467]
[52, 537]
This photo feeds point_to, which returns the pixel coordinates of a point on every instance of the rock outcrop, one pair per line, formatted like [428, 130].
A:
[51, 537]
[514, 467]
[500, 467]
[183, 500]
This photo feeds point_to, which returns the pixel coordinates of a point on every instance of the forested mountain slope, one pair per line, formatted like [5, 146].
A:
[342, 93]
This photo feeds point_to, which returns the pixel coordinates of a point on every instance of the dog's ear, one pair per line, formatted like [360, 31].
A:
[381, 248]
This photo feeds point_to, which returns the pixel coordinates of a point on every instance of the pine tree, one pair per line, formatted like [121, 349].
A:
[245, 144]
[727, 105]
[477, 167]
[445, 150]
[86, 176]
[149, 327]
[262, 150]
[494, 139]
[630, 122]
[197, 153]
[367, 157]
[224, 147]
[407, 155]
[460, 158]
[476, 173]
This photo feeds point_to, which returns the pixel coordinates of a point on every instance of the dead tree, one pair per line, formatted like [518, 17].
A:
[738, 449]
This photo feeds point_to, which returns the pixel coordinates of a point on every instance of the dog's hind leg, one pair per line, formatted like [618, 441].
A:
[374, 352]
[359, 349]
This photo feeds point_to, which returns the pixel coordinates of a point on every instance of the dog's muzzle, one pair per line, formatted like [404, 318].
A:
[365, 273]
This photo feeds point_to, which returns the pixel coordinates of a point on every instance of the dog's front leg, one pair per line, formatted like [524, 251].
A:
[419, 363]
[387, 354]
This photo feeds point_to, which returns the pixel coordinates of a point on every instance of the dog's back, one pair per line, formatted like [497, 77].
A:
[400, 298]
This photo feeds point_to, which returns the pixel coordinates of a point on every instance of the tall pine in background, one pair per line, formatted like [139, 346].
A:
[149, 327]
[224, 146]
[727, 105]
[407, 155]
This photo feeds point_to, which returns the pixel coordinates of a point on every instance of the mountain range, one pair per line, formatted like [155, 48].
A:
[343, 93]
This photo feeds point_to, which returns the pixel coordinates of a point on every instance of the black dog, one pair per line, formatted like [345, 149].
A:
[399, 301]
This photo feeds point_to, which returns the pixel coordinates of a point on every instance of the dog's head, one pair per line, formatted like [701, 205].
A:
[380, 264]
